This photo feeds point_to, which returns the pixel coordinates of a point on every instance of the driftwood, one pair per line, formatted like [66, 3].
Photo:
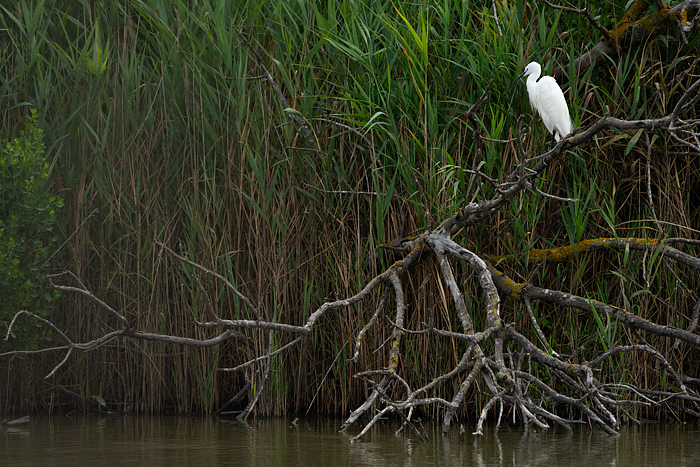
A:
[16, 422]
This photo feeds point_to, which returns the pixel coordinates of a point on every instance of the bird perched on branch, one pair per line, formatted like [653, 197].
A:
[548, 100]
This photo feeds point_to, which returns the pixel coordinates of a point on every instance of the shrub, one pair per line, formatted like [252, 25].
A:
[27, 219]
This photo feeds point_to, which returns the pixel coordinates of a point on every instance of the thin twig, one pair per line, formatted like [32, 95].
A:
[308, 134]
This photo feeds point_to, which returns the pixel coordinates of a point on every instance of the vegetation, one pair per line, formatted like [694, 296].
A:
[162, 126]
[27, 218]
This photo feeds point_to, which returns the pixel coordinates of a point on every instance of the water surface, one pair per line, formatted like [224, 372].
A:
[182, 441]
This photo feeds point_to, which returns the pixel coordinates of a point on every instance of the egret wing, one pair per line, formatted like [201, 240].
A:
[552, 107]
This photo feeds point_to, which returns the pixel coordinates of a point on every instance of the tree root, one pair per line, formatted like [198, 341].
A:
[554, 388]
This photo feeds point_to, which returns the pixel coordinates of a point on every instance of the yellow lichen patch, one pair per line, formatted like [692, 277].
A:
[394, 356]
[515, 288]
[644, 241]
[633, 17]
[630, 17]
[568, 252]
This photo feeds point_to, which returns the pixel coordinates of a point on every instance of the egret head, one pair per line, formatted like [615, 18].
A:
[532, 68]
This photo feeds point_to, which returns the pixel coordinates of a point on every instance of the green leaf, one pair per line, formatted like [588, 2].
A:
[632, 142]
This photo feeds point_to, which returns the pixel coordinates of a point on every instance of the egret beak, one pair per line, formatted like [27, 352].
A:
[516, 79]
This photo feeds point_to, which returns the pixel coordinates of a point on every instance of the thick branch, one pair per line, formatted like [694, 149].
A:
[633, 29]
[514, 289]
[569, 252]
[474, 212]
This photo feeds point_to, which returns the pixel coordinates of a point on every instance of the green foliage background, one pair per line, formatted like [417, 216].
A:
[160, 125]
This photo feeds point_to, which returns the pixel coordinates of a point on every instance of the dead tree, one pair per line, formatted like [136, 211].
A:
[508, 380]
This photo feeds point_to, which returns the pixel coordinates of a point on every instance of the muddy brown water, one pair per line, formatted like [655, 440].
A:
[182, 441]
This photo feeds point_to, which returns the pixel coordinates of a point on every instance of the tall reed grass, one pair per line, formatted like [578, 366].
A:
[160, 125]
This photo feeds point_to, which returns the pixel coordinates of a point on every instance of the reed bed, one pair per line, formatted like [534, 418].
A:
[160, 125]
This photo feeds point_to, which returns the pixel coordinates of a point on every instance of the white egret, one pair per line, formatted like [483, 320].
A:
[548, 100]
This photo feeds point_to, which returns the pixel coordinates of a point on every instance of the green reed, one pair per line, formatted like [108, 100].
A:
[162, 126]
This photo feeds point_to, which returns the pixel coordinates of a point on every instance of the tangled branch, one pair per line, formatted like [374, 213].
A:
[495, 354]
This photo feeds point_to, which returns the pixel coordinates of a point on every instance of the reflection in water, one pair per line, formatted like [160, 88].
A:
[122, 440]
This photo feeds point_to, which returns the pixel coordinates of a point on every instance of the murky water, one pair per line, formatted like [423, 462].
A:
[181, 441]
